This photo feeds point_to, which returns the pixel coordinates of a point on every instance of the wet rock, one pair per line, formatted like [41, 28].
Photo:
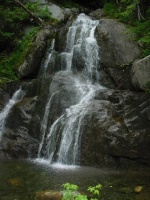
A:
[4, 98]
[140, 73]
[18, 144]
[61, 36]
[15, 182]
[16, 140]
[138, 189]
[31, 64]
[116, 130]
[117, 51]
[48, 195]
[64, 94]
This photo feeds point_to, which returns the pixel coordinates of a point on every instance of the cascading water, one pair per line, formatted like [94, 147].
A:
[43, 69]
[18, 95]
[80, 57]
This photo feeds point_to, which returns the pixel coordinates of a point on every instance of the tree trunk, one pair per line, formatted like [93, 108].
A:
[37, 19]
[140, 16]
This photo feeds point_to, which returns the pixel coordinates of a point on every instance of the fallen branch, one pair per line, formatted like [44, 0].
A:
[37, 19]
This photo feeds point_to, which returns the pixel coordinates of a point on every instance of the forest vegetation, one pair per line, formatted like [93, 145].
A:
[14, 43]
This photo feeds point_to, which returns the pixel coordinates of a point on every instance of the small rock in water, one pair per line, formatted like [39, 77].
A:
[48, 195]
[15, 182]
[138, 189]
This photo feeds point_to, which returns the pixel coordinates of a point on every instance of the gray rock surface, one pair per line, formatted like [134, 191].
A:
[116, 124]
[140, 73]
[96, 14]
[56, 12]
[116, 130]
[16, 141]
[35, 54]
[117, 50]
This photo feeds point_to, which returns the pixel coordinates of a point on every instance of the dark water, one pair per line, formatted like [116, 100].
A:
[20, 180]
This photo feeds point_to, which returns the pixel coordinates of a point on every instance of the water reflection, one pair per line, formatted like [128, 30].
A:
[21, 179]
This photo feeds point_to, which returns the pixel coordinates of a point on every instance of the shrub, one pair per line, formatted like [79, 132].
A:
[71, 193]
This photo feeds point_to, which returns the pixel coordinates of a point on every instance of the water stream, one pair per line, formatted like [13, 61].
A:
[64, 136]
[23, 180]
[17, 96]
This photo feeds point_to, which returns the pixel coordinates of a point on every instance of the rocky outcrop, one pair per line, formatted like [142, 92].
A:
[32, 62]
[116, 130]
[56, 12]
[116, 123]
[16, 141]
[117, 51]
[140, 73]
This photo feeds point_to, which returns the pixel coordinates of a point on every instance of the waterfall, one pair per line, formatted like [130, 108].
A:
[17, 96]
[82, 45]
[81, 56]
[44, 66]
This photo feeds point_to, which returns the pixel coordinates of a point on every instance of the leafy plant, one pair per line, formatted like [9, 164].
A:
[71, 193]
[10, 62]
[95, 190]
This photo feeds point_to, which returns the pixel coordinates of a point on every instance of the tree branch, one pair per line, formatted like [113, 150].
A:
[37, 19]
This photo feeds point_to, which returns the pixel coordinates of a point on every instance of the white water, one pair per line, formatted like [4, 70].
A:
[18, 95]
[43, 71]
[64, 138]
[44, 123]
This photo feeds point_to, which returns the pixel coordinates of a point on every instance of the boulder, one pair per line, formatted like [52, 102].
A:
[140, 73]
[16, 140]
[48, 195]
[117, 50]
[32, 62]
[61, 37]
[56, 12]
[115, 130]
[96, 14]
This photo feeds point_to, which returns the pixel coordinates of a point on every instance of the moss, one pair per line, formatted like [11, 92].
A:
[10, 62]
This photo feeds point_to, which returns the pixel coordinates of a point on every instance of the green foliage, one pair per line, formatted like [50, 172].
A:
[71, 193]
[95, 190]
[41, 12]
[129, 7]
[111, 10]
[126, 11]
[9, 63]
[147, 87]
[14, 44]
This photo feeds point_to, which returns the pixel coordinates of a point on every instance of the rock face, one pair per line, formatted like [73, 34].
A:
[56, 12]
[31, 65]
[117, 51]
[116, 130]
[140, 73]
[16, 142]
[116, 123]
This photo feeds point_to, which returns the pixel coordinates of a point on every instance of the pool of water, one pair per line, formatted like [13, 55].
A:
[21, 179]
